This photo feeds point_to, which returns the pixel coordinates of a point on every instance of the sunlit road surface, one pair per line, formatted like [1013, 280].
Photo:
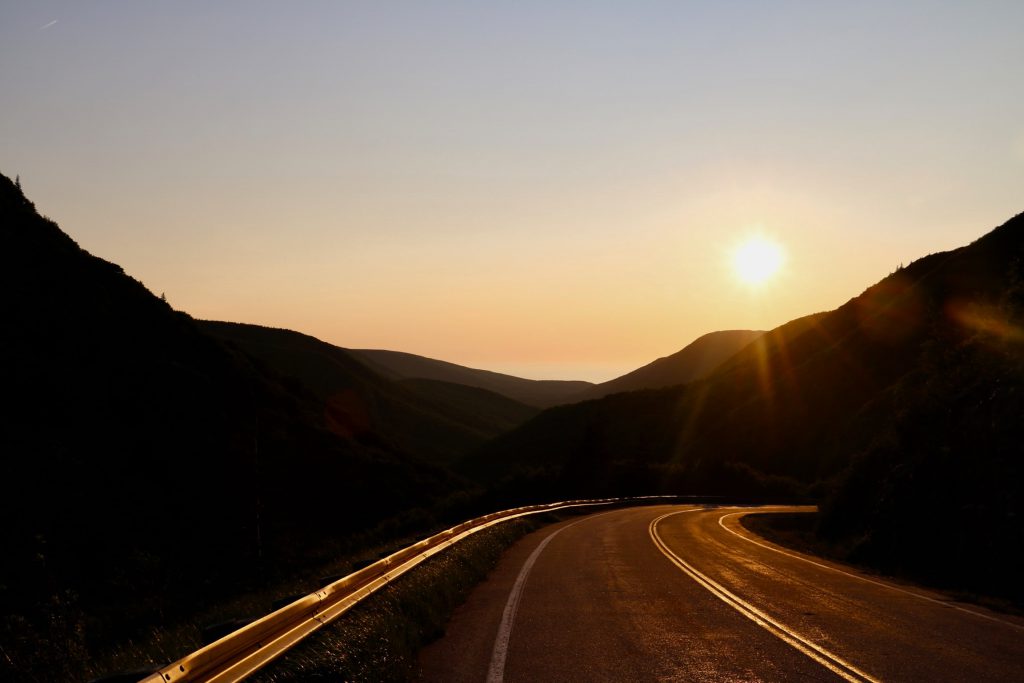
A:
[672, 593]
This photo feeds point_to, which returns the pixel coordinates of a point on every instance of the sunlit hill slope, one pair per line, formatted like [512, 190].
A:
[693, 362]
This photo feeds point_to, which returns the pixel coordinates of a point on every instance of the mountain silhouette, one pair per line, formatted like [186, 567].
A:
[533, 392]
[693, 362]
[897, 408]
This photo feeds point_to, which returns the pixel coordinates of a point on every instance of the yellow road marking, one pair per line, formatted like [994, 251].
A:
[829, 660]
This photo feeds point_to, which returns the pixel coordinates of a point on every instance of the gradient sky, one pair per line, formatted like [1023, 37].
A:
[543, 188]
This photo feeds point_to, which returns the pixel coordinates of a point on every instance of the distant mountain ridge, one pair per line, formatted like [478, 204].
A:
[533, 392]
[693, 362]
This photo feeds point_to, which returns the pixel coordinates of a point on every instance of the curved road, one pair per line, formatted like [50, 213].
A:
[684, 593]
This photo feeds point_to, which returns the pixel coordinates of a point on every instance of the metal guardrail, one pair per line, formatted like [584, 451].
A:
[242, 652]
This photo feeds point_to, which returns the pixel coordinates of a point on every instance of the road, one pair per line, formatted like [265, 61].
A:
[684, 593]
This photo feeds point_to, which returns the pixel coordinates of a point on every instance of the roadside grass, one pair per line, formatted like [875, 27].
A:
[378, 640]
[798, 531]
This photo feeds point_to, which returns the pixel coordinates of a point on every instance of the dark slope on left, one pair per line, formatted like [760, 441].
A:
[145, 466]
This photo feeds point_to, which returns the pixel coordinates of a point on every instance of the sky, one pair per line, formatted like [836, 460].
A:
[550, 189]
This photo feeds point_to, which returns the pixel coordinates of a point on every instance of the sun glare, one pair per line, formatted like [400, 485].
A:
[757, 259]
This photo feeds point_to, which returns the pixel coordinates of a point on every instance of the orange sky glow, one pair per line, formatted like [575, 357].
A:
[547, 190]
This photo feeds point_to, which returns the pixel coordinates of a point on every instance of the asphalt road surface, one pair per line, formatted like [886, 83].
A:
[681, 593]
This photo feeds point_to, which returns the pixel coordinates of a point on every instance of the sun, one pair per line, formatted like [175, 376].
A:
[757, 259]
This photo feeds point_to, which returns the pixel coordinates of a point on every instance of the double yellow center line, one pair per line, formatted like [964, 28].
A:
[829, 660]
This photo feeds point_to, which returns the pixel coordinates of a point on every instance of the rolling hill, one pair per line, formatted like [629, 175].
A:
[435, 420]
[693, 362]
[533, 392]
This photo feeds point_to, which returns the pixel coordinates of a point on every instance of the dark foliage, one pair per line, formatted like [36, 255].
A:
[937, 492]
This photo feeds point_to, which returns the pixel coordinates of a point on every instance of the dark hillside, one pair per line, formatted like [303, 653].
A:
[937, 489]
[532, 392]
[146, 467]
[904, 397]
[634, 441]
[693, 362]
[438, 421]
[484, 412]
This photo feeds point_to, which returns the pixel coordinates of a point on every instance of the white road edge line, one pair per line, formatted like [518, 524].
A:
[862, 578]
[496, 672]
[829, 660]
